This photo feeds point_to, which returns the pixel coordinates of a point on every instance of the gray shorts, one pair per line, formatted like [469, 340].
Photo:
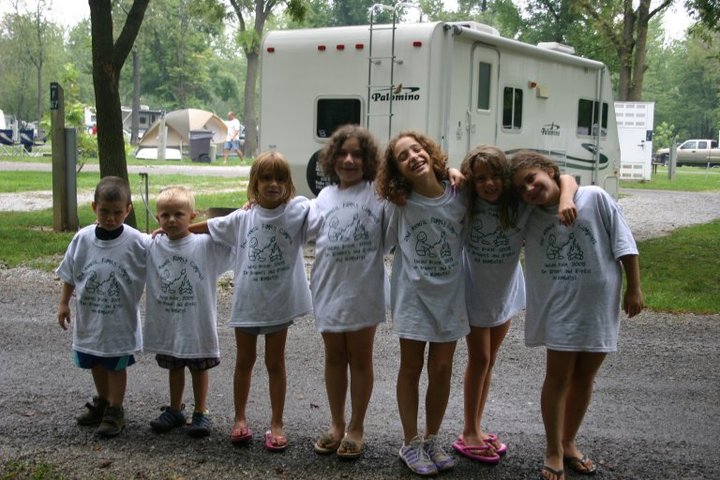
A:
[264, 330]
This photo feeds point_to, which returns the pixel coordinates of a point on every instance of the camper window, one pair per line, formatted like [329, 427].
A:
[588, 112]
[484, 76]
[331, 113]
[512, 108]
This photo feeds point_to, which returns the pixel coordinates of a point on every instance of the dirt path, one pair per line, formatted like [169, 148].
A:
[655, 413]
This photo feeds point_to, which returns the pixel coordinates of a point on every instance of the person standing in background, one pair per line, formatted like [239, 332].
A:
[232, 140]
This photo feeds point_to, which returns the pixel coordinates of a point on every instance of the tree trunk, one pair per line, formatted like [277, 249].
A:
[640, 66]
[38, 105]
[249, 114]
[252, 53]
[135, 115]
[108, 59]
[625, 51]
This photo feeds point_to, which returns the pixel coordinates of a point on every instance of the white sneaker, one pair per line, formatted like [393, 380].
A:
[416, 458]
[437, 454]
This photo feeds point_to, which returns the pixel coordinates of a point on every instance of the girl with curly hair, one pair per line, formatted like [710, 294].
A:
[427, 227]
[348, 281]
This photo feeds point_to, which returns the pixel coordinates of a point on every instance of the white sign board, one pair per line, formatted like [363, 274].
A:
[635, 131]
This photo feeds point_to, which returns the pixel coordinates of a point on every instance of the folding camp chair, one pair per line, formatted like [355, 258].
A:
[7, 145]
[27, 140]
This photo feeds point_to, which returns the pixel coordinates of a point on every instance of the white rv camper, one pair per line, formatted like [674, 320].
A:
[461, 83]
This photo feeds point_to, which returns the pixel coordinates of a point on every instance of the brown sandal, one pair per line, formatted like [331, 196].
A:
[582, 465]
[557, 474]
[350, 449]
[326, 444]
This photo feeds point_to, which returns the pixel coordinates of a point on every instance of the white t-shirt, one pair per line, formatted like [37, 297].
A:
[427, 284]
[573, 275]
[271, 286]
[348, 280]
[180, 306]
[494, 282]
[109, 277]
[233, 130]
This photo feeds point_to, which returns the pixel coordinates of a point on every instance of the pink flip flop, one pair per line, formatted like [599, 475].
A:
[240, 436]
[483, 453]
[275, 443]
[493, 440]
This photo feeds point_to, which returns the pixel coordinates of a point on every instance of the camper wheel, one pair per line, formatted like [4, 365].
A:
[314, 175]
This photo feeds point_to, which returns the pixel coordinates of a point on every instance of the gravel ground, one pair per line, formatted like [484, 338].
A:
[655, 412]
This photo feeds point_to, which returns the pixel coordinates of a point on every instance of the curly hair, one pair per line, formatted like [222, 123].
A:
[277, 165]
[390, 183]
[523, 159]
[368, 145]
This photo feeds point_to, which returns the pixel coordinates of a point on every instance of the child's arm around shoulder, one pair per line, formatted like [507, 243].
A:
[567, 210]
[63, 314]
[633, 299]
[199, 227]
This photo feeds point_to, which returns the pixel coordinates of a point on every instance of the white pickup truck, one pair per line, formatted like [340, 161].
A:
[692, 152]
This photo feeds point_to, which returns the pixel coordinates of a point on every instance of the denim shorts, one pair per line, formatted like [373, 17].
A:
[232, 145]
[264, 330]
[112, 364]
[196, 364]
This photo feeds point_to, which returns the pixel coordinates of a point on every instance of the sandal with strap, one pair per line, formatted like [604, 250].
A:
[582, 465]
[326, 444]
[557, 474]
[350, 449]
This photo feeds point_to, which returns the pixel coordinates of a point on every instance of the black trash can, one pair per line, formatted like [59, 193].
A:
[200, 145]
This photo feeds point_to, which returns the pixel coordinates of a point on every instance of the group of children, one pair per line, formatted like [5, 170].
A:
[456, 238]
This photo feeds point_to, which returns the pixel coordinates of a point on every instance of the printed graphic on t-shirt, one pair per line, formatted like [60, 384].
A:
[431, 240]
[347, 231]
[264, 246]
[564, 252]
[102, 285]
[489, 244]
[176, 287]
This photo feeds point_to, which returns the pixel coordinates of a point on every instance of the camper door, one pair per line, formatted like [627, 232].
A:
[482, 96]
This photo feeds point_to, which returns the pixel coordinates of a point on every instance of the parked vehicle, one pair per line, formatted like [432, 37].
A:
[692, 152]
[459, 82]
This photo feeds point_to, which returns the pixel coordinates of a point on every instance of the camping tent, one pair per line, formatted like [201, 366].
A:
[179, 124]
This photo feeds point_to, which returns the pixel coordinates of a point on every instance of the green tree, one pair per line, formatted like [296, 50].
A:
[613, 31]
[625, 27]
[109, 55]
[257, 12]
[78, 47]
[706, 11]
[176, 46]
[31, 48]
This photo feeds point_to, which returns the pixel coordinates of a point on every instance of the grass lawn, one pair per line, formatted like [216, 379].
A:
[688, 179]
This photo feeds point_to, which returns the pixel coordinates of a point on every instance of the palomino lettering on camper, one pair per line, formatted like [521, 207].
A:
[406, 94]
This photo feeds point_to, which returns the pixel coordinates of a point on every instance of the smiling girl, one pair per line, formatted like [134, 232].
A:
[271, 287]
[427, 288]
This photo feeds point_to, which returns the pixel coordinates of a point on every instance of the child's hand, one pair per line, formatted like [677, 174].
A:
[457, 179]
[156, 232]
[567, 212]
[633, 302]
[63, 316]
[248, 205]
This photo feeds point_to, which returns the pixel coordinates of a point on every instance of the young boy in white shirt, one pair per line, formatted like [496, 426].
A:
[181, 308]
[104, 266]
